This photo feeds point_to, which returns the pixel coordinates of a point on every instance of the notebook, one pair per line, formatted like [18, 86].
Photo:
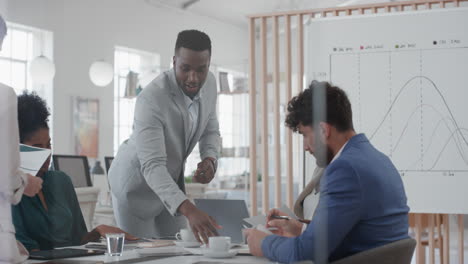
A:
[63, 253]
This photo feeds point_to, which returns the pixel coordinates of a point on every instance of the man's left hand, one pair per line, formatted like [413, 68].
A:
[254, 239]
[205, 171]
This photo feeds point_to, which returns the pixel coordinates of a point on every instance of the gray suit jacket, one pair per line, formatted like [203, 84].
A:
[147, 175]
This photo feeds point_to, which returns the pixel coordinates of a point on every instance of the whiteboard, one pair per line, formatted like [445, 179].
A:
[407, 78]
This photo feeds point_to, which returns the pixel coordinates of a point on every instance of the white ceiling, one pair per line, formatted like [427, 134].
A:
[234, 12]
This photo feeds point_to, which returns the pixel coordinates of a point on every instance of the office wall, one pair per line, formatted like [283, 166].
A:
[88, 30]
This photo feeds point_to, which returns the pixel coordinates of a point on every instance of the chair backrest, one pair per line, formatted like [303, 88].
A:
[400, 252]
[76, 167]
[108, 161]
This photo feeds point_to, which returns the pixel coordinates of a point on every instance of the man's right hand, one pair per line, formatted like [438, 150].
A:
[34, 185]
[202, 224]
[287, 228]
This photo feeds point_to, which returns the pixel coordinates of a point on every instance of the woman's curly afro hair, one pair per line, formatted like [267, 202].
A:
[33, 114]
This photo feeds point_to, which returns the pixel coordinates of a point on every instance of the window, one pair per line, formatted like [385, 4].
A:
[147, 66]
[21, 45]
[233, 117]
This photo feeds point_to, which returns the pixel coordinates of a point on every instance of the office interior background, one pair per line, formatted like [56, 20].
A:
[90, 58]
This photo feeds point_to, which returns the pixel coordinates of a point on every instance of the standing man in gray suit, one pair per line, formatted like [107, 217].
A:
[174, 112]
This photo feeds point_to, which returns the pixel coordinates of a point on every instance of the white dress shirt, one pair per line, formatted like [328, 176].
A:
[311, 201]
[193, 108]
[12, 180]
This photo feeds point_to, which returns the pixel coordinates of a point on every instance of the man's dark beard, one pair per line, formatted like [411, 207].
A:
[324, 155]
[329, 155]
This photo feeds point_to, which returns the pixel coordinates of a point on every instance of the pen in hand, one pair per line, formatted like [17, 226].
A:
[305, 221]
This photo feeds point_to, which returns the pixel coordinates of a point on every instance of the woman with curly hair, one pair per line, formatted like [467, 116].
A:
[53, 217]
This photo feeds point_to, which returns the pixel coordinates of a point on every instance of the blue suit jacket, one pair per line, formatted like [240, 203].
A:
[362, 205]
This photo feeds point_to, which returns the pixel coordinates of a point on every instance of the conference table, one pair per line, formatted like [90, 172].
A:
[132, 256]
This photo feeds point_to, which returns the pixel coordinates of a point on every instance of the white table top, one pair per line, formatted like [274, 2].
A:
[133, 255]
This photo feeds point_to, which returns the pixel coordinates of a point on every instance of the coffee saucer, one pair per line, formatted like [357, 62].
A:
[227, 254]
[187, 244]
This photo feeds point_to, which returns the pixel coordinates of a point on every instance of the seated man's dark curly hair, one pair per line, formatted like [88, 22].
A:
[33, 114]
[308, 107]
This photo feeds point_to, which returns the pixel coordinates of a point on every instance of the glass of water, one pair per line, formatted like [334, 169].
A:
[115, 244]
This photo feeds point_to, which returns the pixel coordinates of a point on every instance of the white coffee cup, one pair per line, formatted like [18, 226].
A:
[185, 235]
[219, 243]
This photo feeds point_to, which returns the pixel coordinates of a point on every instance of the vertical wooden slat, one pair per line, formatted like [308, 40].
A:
[300, 74]
[446, 250]
[289, 152]
[300, 52]
[374, 10]
[361, 11]
[442, 4]
[441, 236]
[428, 5]
[431, 239]
[277, 124]
[418, 231]
[461, 229]
[349, 12]
[387, 9]
[264, 100]
[253, 122]
[457, 3]
[415, 6]
[335, 13]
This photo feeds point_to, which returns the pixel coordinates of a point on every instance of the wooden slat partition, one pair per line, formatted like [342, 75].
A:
[324, 11]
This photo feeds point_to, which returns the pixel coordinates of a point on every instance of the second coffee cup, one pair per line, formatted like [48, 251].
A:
[219, 244]
[185, 235]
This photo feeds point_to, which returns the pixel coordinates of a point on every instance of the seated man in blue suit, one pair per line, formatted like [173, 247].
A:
[362, 201]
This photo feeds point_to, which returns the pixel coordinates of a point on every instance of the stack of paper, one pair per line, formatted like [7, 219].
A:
[154, 243]
[32, 158]
[162, 251]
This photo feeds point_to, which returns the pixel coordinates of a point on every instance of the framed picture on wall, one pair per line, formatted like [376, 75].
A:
[86, 126]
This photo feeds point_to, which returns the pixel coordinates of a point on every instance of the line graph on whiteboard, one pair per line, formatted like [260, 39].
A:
[412, 104]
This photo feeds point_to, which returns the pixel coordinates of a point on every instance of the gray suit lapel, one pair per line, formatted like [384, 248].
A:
[178, 98]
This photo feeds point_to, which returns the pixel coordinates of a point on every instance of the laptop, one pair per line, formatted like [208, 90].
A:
[63, 253]
[229, 214]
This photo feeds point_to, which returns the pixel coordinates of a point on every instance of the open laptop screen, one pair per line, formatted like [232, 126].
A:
[227, 213]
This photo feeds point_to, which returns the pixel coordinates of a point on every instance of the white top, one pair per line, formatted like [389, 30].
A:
[311, 201]
[193, 107]
[12, 180]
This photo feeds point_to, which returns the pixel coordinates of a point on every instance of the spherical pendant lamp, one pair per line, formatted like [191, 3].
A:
[101, 73]
[42, 70]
